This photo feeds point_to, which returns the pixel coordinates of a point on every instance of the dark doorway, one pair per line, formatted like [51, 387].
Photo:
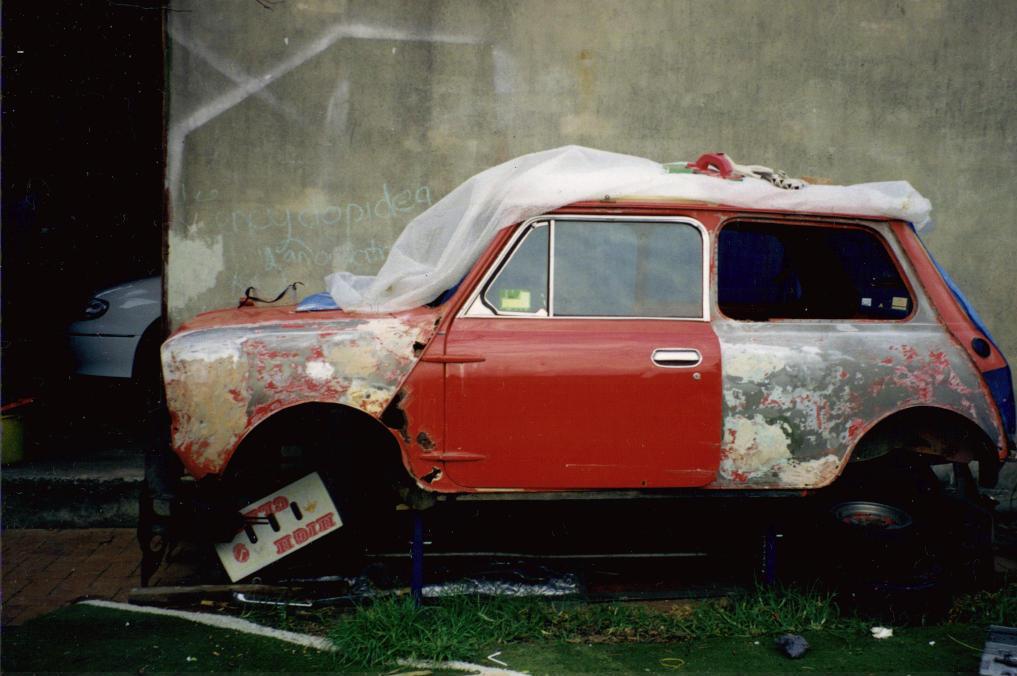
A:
[82, 153]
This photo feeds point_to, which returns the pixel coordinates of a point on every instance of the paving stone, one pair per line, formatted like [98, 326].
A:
[31, 612]
[47, 569]
[76, 584]
[13, 586]
[96, 563]
[35, 562]
[106, 589]
[26, 540]
[64, 566]
[13, 612]
[83, 538]
[54, 548]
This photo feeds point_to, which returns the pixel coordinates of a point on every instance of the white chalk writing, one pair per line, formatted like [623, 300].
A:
[287, 236]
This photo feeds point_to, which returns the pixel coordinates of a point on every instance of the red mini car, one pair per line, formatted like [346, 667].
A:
[620, 345]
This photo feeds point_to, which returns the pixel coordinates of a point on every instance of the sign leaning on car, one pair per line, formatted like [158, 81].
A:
[586, 321]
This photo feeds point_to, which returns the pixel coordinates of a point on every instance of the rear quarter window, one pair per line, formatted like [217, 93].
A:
[778, 271]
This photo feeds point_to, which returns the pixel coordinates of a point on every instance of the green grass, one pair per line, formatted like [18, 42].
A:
[988, 607]
[908, 651]
[85, 638]
[460, 628]
[535, 635]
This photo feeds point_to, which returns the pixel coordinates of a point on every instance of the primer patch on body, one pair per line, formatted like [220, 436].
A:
[319, 370]
[753, 446]
[808, 473]
[755, 362]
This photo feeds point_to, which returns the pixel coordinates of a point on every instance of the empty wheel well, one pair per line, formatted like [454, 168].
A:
[937, 434]
[343, 442]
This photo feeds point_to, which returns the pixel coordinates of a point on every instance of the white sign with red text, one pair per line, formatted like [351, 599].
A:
[289, 519]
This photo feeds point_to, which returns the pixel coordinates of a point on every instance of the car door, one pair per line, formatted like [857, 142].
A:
[585, 359]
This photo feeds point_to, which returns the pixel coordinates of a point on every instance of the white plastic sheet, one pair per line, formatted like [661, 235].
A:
[440, 245]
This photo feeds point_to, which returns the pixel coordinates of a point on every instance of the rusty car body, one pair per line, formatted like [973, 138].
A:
[640, 345]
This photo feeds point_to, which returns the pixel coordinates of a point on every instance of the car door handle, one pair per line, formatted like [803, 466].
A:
[677, 357]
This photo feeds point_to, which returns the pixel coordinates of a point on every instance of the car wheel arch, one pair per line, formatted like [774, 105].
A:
[932, 432]
[378, 453]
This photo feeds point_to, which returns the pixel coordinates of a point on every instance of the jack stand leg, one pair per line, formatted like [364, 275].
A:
[770, 556]
[417, 557]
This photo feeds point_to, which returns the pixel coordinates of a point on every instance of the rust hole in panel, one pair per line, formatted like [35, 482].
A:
[394, 417]
[431, 476]
[425, 441]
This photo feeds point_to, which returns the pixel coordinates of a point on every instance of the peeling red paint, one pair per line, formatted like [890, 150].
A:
[271, 366]
[855, 429]
[955, 384]
[877, 385]
[822, 413]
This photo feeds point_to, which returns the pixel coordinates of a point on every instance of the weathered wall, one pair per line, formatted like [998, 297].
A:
[303, 138]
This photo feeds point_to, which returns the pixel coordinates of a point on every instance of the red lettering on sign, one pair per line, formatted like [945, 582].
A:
[277, 504]
[283, 544]
[302, 535]
[260, 510]
[325, 522]
[241, 553]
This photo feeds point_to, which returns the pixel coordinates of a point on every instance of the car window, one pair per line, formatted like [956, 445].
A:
[774, 271]
[520, 287]
[627, 269]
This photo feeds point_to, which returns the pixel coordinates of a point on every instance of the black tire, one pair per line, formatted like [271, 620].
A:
[886, 548]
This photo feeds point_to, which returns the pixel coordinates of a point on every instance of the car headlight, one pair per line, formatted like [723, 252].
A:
[95, 308]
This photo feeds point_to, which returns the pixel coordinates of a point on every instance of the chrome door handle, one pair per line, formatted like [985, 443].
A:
[677, 357]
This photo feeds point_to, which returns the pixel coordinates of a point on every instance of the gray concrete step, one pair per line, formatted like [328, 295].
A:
[94, 490]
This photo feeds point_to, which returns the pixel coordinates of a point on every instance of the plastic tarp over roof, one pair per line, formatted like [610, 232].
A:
[440, 245]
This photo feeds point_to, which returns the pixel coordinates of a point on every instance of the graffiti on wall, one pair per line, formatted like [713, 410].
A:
[288, 236]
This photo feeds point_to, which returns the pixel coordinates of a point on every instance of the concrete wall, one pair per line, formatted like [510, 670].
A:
[303, 138]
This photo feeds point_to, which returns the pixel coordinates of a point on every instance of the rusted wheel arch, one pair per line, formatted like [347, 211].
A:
[354, 451]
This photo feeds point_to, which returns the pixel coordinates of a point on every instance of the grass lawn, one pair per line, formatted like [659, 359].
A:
[536, 636]
[84, 638]
[908, 651]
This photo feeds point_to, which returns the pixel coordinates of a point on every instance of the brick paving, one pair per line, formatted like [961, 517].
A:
[47, 569]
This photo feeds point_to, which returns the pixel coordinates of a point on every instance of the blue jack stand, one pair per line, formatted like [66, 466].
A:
[417, 557]
[770, 556]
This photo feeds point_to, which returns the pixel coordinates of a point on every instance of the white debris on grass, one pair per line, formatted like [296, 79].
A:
[493, 657]
[881, 632]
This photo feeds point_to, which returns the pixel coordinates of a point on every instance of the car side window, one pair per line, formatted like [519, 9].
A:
[627, 269]
[777, 271]
[520, 287]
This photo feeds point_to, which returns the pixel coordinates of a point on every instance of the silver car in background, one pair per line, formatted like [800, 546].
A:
[119, 333]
